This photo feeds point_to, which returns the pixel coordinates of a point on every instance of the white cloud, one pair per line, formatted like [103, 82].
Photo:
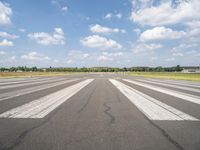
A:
[104, 30]
[119, 15]
[108, 16]
[69, 61]
[165, 13]
[160, 33]
[8, 36]
[34, 56]
[56, 38]
[137, 31]
[170, 59]
[86, 55]
[5, 14]
[56, 60]
[96, 41]
[2, 53]
[22, 30]
[146, 48]
[75, 56]
[191, 52]
[193, 31]
[113, 15]
[65, 8]
[6, 43]
[154, 58]
[114, 54]
[177, 54]
[60, 5]
[104, 58]
[13, 58]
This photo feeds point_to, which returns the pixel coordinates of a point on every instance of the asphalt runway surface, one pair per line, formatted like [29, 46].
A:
[101, 111]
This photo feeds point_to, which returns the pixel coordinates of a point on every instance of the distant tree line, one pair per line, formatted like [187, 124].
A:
[93, 69]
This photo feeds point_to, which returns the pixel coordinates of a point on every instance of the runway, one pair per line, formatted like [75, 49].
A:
[99, 111]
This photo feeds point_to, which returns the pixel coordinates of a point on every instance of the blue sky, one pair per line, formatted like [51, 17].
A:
[116, 33]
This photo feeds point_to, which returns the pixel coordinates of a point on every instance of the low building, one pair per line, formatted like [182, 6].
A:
[191, 70]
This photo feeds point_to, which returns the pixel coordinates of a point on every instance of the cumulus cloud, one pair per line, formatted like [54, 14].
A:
[109, 56]
[104, 30]
[193, 31]
[153, 58]
[146, 48]
[165, 13]
[77, 56]
[13, 58]
[8, 36]
[113, 15]
[177, 54]
[2, 53]
[170, 59]
[56, 38]
[137, 31]
[160, 33]
[96, 41]
[5, 14]
[64, 8]
[22, 30]
[6, 43]
[114, 54]
[108, 16]
[119, 15]
[104, 58]
[34, 56]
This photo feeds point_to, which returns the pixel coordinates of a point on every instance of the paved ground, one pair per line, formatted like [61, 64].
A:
[99, 112]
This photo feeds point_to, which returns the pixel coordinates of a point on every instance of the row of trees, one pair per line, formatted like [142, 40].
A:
[94, 69]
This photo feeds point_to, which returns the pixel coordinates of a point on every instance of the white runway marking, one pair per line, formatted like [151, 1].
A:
[26, 80]
[152, 108]
[169, 85]
[12, 94]
[184, 96]
[184, 83]
[29, 83]
[43, 106]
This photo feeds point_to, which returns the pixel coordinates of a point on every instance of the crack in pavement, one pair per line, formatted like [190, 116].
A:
[108, 109]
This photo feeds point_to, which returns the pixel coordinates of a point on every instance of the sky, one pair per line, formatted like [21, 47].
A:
[88, 33]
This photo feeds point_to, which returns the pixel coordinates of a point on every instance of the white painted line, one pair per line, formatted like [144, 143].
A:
[152, 108]
[177, 83]
[43, 106]
[29, 83]
[12, 94]
[169, 85]
[184, 96]
[26, 80]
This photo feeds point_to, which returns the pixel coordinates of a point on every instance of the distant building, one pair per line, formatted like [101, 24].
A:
[191, 70]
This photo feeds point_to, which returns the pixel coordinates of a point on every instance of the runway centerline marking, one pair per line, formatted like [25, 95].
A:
[184, 96]
[41, 107]
[152, 108]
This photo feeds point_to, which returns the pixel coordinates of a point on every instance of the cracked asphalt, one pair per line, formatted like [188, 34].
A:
[98, 117]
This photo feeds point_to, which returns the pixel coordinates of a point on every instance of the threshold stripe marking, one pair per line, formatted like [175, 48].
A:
[16, 93]
[184, 96]
[43, 106]
[176, 83]
[169, 85]
[30, 83]
[152, 108]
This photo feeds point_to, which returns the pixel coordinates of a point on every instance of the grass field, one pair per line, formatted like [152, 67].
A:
[32, 74]
[168, 75]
